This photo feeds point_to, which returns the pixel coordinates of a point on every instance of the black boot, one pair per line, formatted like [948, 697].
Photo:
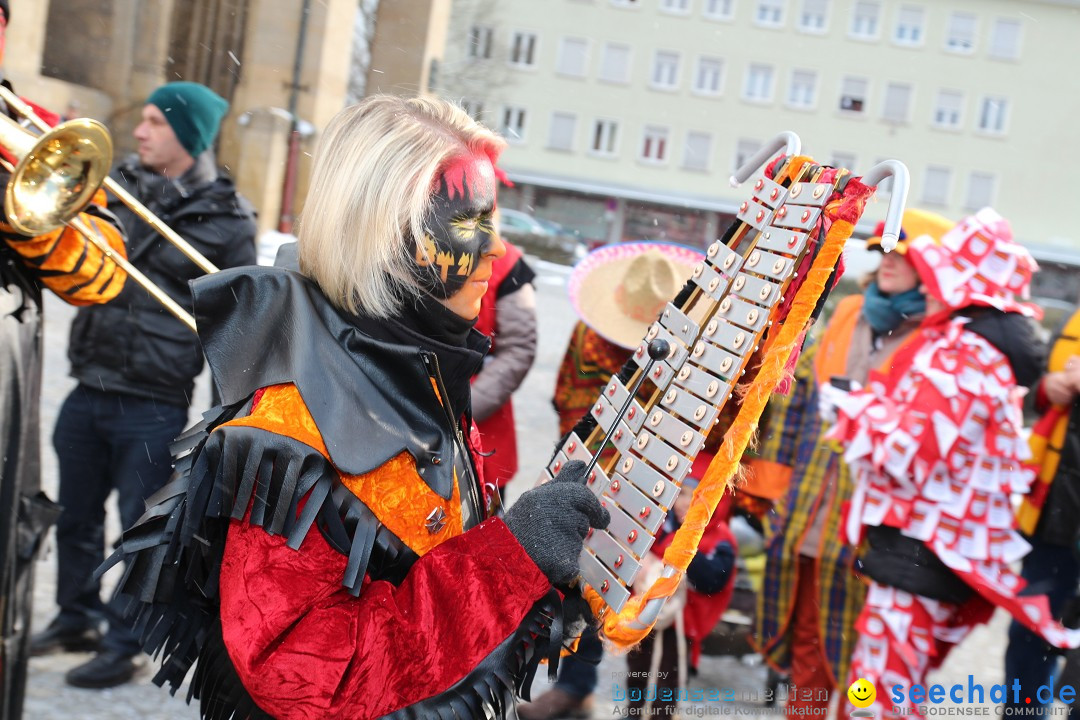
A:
[58, 637]
[105, 670]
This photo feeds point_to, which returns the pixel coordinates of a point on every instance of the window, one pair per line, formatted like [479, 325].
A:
[480, 42]
[624, 3]
[474, 108]
[681, 7]
[865, 19]
[992, 114]
[897, 103]
[770, 13]
[665, 72]
[523, 49]
[853, 94]
[843, 160]
[572, 56]
[654, 144]
[615, 63]
[698, 149]
[744, 150]
[936, 185]
[561, 136]
[707, 79]
[980, 191]
[1005, 39]
[513, 123]
[803, 90]
[909, 25]
[960, 36]
[947, 112]
[813, 14]
[759, 83]
[720, 9]
[605, 135]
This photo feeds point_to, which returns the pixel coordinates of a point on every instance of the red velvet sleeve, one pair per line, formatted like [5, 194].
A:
[304, 647]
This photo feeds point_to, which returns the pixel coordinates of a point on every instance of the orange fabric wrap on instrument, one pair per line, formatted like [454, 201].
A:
[620, 628]
[394, 492]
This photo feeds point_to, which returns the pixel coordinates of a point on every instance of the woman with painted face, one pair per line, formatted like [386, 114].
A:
[326, 550]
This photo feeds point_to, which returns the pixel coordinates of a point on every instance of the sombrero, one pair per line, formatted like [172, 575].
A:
[618, 290]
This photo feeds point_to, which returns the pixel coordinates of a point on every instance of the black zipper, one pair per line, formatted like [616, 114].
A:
[431, 360]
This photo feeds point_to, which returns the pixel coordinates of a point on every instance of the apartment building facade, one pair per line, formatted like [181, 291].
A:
[626, 117]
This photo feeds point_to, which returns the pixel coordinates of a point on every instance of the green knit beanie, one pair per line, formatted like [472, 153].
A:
[194, 112]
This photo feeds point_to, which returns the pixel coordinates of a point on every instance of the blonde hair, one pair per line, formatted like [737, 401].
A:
[372, 180]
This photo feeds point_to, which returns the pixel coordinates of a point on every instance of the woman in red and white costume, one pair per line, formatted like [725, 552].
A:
[937, 447]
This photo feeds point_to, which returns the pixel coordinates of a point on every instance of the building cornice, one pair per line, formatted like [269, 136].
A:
[1056, 255]
[604, 188]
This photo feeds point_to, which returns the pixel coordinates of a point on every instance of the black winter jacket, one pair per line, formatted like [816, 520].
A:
[133, 345]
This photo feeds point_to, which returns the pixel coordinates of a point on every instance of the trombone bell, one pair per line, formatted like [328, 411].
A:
[57, 175]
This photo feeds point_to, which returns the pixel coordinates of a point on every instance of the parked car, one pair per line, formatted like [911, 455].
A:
[556, 229]
[517, 222]
[544, 238]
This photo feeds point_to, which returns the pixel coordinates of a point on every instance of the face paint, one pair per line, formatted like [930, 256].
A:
[460, 228]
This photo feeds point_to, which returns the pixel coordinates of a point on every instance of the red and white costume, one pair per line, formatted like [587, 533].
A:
[937, 446]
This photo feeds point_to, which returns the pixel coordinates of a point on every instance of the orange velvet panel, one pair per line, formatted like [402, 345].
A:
[395, 492]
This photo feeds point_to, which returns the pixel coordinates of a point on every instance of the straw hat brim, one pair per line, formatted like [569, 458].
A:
[594, 282]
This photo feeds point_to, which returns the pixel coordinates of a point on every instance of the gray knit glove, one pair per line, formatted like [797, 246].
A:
[551, 522]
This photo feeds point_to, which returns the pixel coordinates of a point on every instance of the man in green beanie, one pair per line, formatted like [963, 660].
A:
[136, 365]
[179, 123]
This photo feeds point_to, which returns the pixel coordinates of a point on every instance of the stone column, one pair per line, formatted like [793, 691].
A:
[712, 227]
[616, 218]
[260, 146]
[528, 199]
[136, 61]
[266, 76]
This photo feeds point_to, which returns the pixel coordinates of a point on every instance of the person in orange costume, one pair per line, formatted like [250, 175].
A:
[810, 594]
[326, 548]
[79, 273]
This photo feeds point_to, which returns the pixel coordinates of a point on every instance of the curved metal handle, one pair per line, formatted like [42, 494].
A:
[787, 141]
[897, 201]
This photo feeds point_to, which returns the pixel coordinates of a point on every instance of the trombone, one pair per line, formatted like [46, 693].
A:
[57, 175]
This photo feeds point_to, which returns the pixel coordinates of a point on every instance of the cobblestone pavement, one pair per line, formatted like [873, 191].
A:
[50, 699]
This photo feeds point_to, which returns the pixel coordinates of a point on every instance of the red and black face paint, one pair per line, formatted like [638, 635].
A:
[459, 226]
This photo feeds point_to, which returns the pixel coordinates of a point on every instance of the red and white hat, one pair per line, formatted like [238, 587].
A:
[977, 263]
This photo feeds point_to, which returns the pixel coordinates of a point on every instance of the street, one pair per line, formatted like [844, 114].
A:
[49, 698]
